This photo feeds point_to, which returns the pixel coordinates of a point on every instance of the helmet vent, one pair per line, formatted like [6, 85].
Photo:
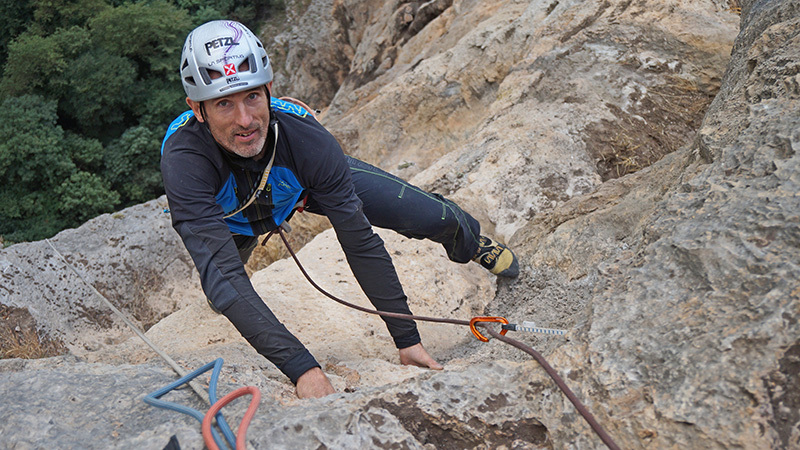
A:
[185, 64]
[251, 63]
[204, 74]
[190, 80]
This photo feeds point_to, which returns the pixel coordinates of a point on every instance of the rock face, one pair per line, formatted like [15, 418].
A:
[133, 257]
[560, 94]
[549, 120]
[692, 329]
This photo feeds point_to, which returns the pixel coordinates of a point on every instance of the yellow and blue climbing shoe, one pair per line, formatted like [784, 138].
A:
[496, 258]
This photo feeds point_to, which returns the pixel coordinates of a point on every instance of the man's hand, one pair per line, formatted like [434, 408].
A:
[416, 355]
[313, 384]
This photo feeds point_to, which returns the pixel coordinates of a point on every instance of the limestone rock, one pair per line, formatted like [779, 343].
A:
[692, 326]
[555, 93]
[133, 257]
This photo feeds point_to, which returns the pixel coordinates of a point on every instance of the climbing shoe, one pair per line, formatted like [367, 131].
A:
[496, 258]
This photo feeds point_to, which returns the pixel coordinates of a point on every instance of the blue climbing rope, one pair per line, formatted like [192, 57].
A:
[154, 399]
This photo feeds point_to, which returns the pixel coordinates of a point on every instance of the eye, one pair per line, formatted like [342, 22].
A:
[223, 103]
[253, 95]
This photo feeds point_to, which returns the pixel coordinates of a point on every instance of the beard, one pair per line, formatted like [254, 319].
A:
[247, 142]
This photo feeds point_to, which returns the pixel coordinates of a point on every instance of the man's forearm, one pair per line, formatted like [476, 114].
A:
[226, 284]
[270, 337]
[375, 273]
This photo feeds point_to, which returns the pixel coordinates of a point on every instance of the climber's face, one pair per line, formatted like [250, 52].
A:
[239, 122]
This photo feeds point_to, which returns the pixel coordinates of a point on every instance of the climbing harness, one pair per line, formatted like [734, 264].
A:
[476, 321]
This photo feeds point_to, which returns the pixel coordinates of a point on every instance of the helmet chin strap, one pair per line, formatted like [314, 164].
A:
[203, 112]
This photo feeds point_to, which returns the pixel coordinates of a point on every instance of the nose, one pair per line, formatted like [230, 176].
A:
[243, 116]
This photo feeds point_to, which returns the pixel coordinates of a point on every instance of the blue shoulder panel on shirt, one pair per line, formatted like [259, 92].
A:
[288, 107]
[177, 123]
[286, 188]
[226, 198]
[276, 103]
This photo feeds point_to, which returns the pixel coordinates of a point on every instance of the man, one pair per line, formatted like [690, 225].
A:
[238, 164]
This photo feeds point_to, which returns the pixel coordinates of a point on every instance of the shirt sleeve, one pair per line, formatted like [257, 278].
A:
[327, 176]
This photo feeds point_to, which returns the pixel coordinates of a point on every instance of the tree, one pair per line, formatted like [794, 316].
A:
[248, 12]
[30, 141]
[36, 156]
[132, 165]
[87, 90]
[150, 34]
[16, 17]
[99, 92]
[83, 196]
[32, 61]
[49, 15]
[36, 64]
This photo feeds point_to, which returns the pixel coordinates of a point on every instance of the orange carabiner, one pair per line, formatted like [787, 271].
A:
[475, 331]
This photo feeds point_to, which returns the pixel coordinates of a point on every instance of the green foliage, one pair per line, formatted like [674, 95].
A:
[36, 64]
[87, 90]
[86, 154]
[150, 34]
[158, 101]
[16, 16]
[50, 15]
[83, 196]
[32, 61]
[99, 91]
[29, 141]
[36, 156]
[248, 12]
[133, 167]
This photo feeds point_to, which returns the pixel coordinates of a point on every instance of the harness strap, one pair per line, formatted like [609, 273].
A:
[263, 183]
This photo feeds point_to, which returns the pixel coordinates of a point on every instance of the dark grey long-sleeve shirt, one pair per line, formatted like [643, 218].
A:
[203, 182]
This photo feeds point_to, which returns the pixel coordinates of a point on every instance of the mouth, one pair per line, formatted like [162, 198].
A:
[246, 135]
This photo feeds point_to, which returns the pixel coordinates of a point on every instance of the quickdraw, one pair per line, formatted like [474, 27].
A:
[476, 320]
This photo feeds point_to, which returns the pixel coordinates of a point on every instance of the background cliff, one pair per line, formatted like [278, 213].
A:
[639, 156]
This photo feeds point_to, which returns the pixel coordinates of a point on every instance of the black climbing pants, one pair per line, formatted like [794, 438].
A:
[392, 203]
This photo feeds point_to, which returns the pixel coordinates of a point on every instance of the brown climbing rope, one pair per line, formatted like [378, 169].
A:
[481, 321]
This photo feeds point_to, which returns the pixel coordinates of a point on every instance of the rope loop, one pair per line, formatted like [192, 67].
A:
[241, 434]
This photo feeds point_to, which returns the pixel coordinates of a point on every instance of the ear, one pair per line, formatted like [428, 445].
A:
[269, 88]
[196, 109]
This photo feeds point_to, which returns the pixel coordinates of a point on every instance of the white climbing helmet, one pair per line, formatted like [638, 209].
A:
[222, 46]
